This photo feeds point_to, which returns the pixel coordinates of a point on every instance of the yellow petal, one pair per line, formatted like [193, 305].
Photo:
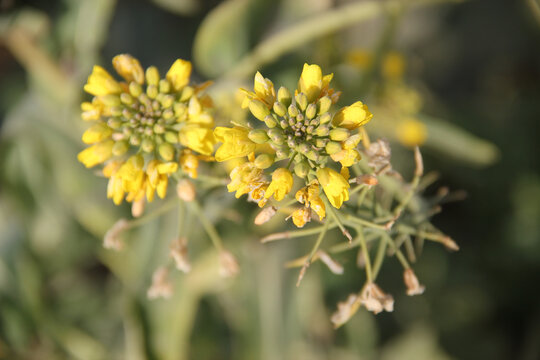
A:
[179, 73]
[101, 83]
[96, 133]
[198, 139]
[353, 116]
[96, 154]
[334, 185]
[129, 68]
[281, 185]
[310, 82]
[235, 143]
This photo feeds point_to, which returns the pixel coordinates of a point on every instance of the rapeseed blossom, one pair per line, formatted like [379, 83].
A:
[296, 134]
[145, 128]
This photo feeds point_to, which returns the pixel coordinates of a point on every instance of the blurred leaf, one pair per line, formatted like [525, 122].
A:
[181, 7]
[222, 38]
[419, 342]
[458, 144]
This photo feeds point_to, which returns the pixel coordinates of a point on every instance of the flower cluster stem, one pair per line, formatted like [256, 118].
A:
[207, 225]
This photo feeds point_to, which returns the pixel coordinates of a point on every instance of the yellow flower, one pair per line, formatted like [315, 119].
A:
[245, 178]
[393, 66]
[179, 73]
[189, 163]
[315, 202]
[301, 216]
[129, 68]
[334, 185]
[353, 116]
[197, 138]
[313, 83]
[96, 133]
[264, 91]
[96, 154]
[282, 182]
[100, 83]
[348, 155]
[235, 143]
[411, 132]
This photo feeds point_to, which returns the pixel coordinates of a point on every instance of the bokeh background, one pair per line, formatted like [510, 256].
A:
[473, 71]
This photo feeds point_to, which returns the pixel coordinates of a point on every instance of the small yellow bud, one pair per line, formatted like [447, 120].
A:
[152, 91]
[339, 134]
[166, 151]
[270, 121]
[324, 104]
[164, 86]
[301, 101]
[280, 109]
[333, 147]
[185, 190]
[110, 100]
[264, 161]
[311, 111]
[293, 110]
[322, 130]
[301, 169]
[325, 118]
[284, 96]
[152, 76]
[129, 68]
[171, 137]
[120, 148]
[258, 136]
[148, 145]
[135, 89]
[258, 109]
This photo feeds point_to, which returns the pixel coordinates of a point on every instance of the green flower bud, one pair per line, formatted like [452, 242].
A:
[339, 134]
[171, 137]
[167, 101]
[125, 98]
[166, 151]
[301, 101]
[320, 143]
[258, 136]
[147, 145]
[135, 140]
[352, 140]
[281, 154]
[110, 100]
[152, 76]
[280, 109]
[114, 123]
[325, 118]
[164, 86]
[270, 121]
[258, 109]
[311, 111]
[120, 148]
[152, 91]
[264, 161]
[159, 129]
[303, 148]
[322, 130]
[179, 109]
[284, 96]
[135, 89]
[313, 155]
[116, 111]
[187, 92]
[167, 114]
[293, 110]
[324, 104]
[333, 147]
[301, 169]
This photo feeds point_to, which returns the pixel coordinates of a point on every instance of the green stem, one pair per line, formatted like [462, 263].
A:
[167, 206]
[397, 251]
[319, 240]
[295, 234]
[338, 221]
[207, 225]
[379, 258]
[291, 160]
[365, 253]
[364, 222]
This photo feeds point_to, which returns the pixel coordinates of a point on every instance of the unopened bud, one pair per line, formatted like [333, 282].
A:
[120, 148]
[135, 89]
[322, 130]
[171, 137]
[312, 155]
[167, 101]
[187, 92]
[258, 109]
[303, 148]
[264, 161]
[179, 109]
[265, 215]
[270, 121]
[166, 151]
[333, 147]
[164, 86]
[339, 134]
[325, 118]
[284, 96]
[301, 101]
[159, 129]
[280, 109]
[152, 91]
[258, 136]
[411, 281]
[148, 145]
[324, 104]
[137, 207]
[293, 110]
[185, 190]
[125, 98]
[311, 111]
[152, 76]
[110, 100]
[301, 169]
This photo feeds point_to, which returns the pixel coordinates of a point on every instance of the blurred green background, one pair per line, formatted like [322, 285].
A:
[474, 64]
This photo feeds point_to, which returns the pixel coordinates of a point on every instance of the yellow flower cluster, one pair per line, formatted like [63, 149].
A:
[145, 127]
[298, 129]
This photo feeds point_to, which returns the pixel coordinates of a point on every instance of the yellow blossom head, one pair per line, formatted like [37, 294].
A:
[144, 114]
[281, 185]
[335, 186]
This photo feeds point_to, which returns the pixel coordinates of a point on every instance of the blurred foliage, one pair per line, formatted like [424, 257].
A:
[63, 296]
